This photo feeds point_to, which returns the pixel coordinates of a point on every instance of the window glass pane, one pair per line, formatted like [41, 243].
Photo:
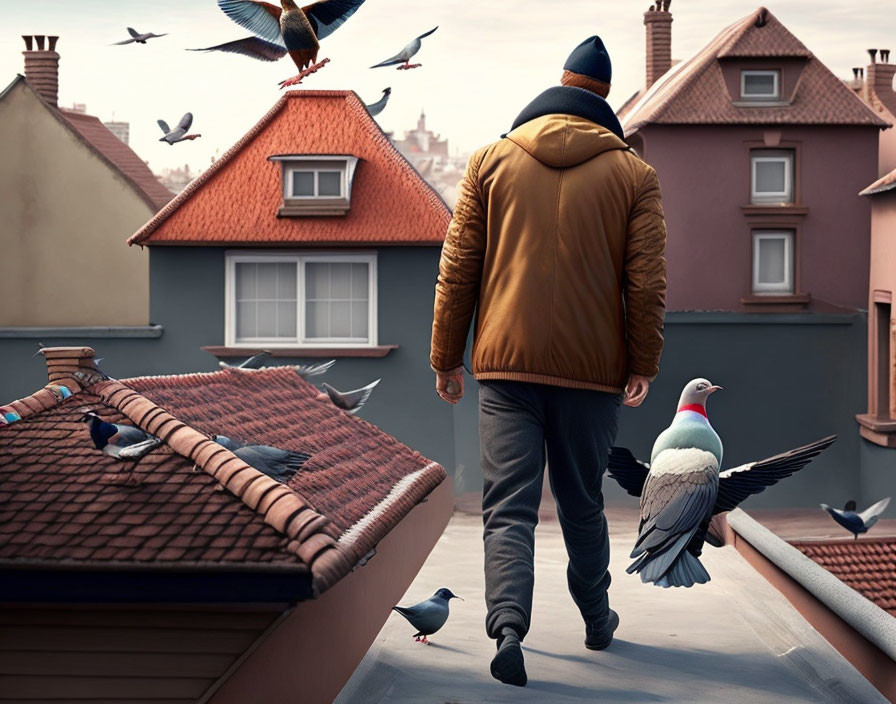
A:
[267, 319]
[760, 84]
[286, 319]
[245, 281]
[286, 282]
[772, 260]
[329, 183]
[246, 319]
[317, 280]
[317, 318]
[360, 287]
[267, 281]
[340, 281]
[303, 183]
[770, 177]
[359, 319]
[340, 319]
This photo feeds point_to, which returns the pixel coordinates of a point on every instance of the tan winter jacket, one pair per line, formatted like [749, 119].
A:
[558, 237]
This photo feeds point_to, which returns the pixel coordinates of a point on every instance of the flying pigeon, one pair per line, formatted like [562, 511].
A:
[682, 488]
[137, 37]
[276, 463]
[376, 108]
[350, 401]
[854, 522]
[179, 133]
[123, 442]
[292, 30]
[428, 616]
[404, 56]
[248, 363]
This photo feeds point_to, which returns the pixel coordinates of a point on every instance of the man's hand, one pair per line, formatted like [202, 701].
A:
[636, 390]
[450, 385]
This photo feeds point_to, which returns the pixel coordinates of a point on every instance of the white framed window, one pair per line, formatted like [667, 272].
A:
[771, 176]
[760, 85]
[325, 181]
[320, 299]
[773, 262]
[315, 184]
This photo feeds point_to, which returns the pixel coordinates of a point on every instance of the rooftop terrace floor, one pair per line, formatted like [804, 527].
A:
[734, 639]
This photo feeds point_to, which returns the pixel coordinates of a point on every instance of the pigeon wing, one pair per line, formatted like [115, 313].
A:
[427, 616]
[127, 435]
[738, 483]
[254, 359]
[306, 370]
[133, 32]
[628, 471]
[126, 41]
[872, 512]
[135, 452]
[252, 47]
[261, 18]
[185, 122]
[329, 15]
[397, 59]
[164, 125]
[426, 34]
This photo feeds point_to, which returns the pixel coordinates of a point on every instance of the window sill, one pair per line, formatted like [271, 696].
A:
[375, 351]
[785, 209]
[800, 300]
[880, 431]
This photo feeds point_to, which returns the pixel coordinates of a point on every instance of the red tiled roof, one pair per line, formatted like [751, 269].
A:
[694, 92]
[866, 565]
[61, 500]
[883, 184]
[236, 200]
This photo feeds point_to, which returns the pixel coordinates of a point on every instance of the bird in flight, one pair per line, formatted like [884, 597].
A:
[288, 29]
[376, 108]
[138, 38]
[404, 56]
[857, 522]
[179, 133]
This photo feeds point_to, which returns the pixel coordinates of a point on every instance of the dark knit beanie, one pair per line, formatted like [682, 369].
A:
[590, 58]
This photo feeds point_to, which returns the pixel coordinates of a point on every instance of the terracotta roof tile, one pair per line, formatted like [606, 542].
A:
[867, 565]
[236, 200]
[694, 92]
[63, 500]
[886, 183]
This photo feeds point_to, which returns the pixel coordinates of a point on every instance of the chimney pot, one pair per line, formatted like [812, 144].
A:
[28, 43]
[39, 38]
[855, 73]
[873, 54]
[885, 55]
[42, 67]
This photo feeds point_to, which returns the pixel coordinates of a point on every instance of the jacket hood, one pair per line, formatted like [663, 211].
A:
[562, 141]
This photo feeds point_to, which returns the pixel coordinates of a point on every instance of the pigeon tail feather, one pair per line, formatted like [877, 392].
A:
[686, 571]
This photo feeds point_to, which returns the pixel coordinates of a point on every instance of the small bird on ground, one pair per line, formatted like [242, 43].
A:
[854, 522]
[276, 463]
[681, 489]
[179, 133]
[428, 616]
[123, 442]
[376, 108]
[404, 56]
[288, 29]
[350, 401]
[138, 38]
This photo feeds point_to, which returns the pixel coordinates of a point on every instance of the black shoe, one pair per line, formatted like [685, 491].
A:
[598, 635]
[508, 665]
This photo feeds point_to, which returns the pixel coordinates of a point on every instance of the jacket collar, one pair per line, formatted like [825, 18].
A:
[569, 100]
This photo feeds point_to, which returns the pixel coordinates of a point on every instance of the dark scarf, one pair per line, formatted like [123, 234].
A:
[568, 100]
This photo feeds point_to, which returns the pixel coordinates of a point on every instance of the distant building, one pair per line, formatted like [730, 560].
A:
[122, 130]
[177, 179]
[420, 144]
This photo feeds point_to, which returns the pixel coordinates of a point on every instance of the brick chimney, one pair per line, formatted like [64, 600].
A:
[879, 77]
[63, 362]
[42, 66]
[658, 21]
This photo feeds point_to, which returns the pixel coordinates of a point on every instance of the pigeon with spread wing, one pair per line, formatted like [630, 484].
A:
[138, 37]
[404, 56]
[682, 489]
[288, 29]
[179, 133]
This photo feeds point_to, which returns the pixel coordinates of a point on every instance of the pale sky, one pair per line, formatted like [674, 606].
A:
[486, 61]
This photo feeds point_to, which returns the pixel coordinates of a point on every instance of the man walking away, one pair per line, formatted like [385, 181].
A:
[558, 238]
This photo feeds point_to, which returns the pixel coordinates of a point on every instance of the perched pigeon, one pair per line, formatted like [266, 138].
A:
[682, 488]
[248, 363]
[303, 370]
[350, 401]
[376, 108]
[292, 30]
[276, 463]
[179, 133]
[404, 56]
[428, 616]
[854, 522]
[137, 37]
[123, 442]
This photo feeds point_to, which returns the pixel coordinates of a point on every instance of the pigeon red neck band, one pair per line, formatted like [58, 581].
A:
[695, 407]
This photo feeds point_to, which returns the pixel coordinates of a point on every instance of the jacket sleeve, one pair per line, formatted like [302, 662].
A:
[460, 272]
[645, 279]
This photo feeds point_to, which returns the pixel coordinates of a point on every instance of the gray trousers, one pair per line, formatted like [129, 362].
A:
[520, 423]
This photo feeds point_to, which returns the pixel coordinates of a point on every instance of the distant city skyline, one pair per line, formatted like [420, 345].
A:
[486, 61]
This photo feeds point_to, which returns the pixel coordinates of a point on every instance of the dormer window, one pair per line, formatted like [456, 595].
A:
[316, 184]
[760, 85]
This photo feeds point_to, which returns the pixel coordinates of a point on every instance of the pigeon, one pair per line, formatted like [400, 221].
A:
[276, 463]
[123, 442]
[350, 401]
[248, 363]
[179, 133]
[428, 616]
[854, 522]
[403, 57]
[682, 489]
[376, 108]
[292, 30]
[137, 37]
[303, 370]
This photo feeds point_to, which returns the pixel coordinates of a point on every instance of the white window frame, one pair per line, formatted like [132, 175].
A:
[774, 95]
[785, 196]
[300, 259]
[771, 289]
[292, 170]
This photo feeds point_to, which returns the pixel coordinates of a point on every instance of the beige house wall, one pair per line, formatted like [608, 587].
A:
[64, 217]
